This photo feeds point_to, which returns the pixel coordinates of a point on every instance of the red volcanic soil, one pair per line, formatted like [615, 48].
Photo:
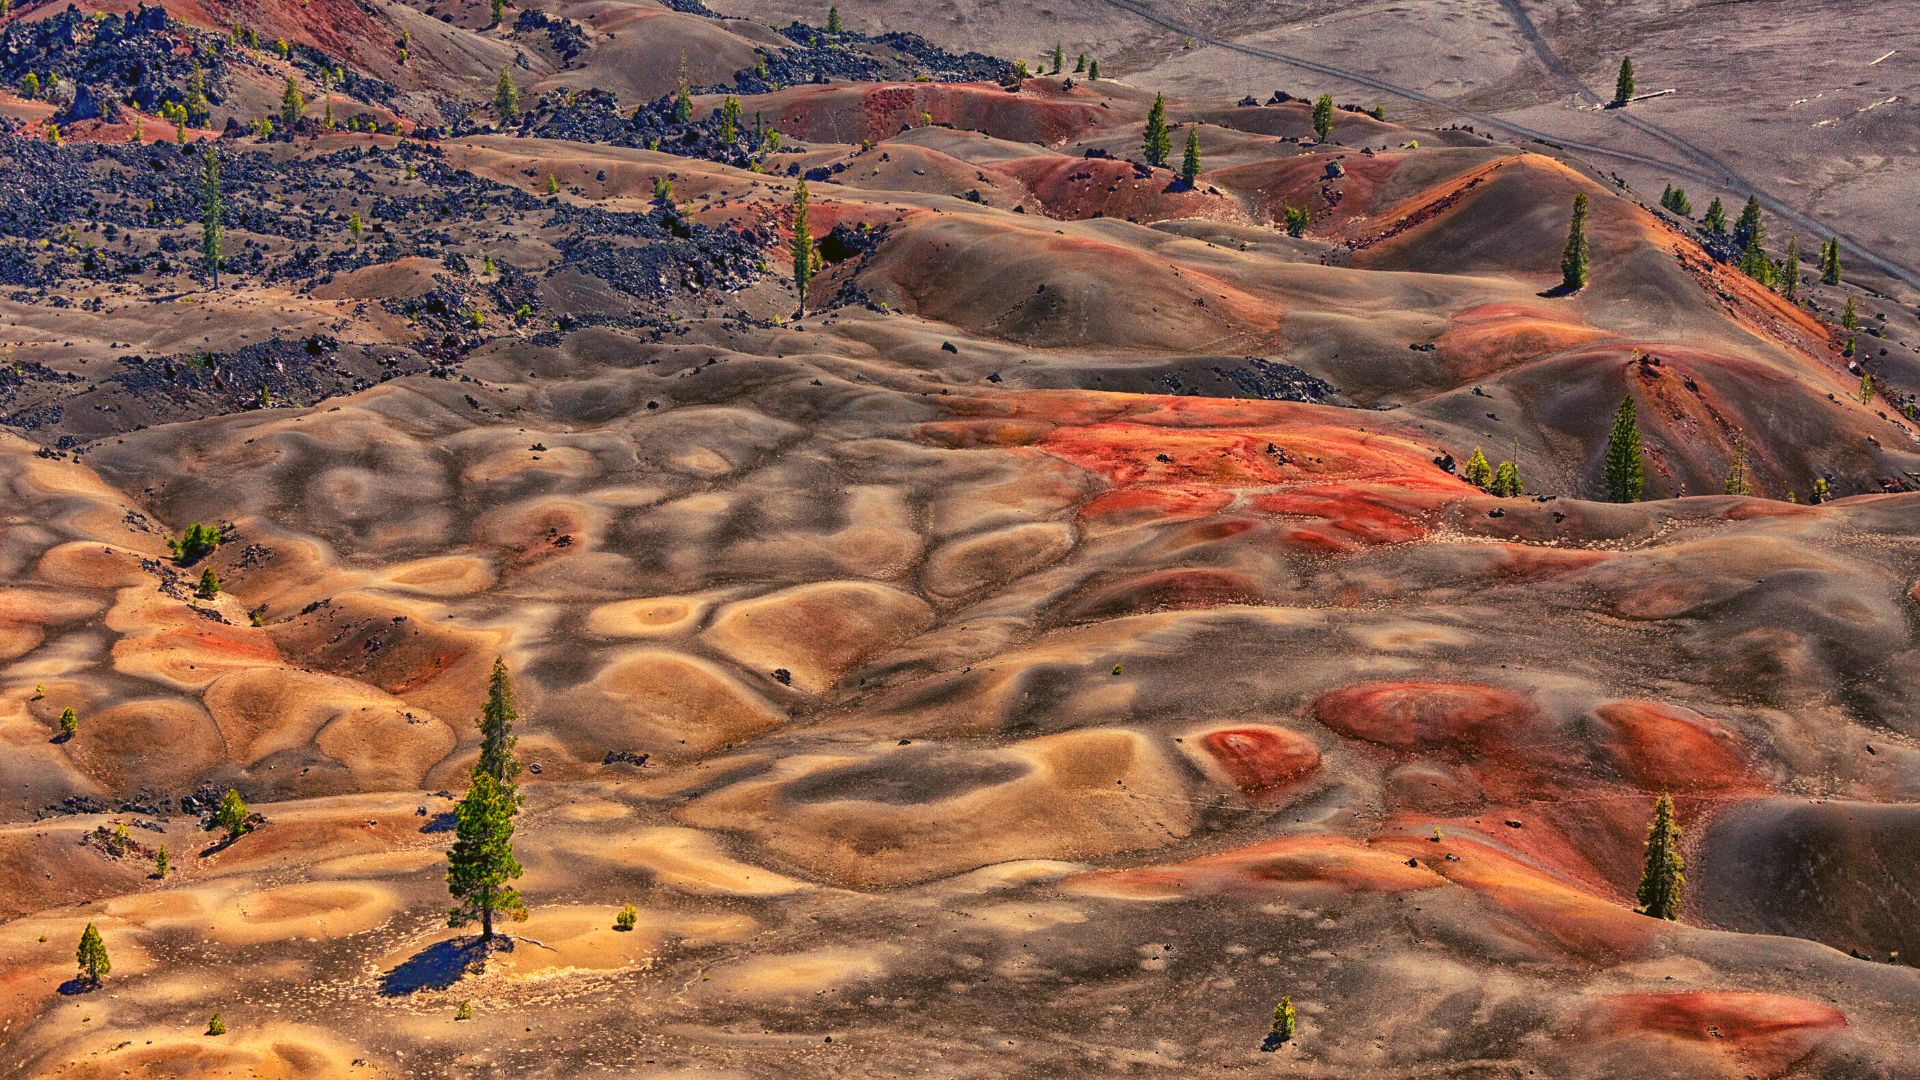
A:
[1759, 1035]
[1077, 188]
[1426, 715]
[854, 113]
[1262, 762]
[1187, 457]
[1662, 748]
[1160, 590]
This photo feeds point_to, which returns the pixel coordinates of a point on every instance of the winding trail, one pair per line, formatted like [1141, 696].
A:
[1705, 168]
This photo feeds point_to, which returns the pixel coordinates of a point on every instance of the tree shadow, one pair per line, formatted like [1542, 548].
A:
[444, 821]
[1272, 1042]
[1557, 291]
[76, 986]
[436, 967]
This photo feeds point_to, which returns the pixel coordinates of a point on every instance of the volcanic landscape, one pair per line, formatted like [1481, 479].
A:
[1229, 607]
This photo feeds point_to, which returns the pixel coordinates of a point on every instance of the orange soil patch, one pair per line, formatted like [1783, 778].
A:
[1160, 590]
[1331, 862]
[1662, 748]
[851, 113]
[1492, 337]
[1262, 762]
[1425, 715]
[1078, 188]
[1758, 1034]
[1548, 913]
[1185, 457]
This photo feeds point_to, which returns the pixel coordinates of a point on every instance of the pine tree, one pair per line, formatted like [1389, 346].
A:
[209, 584]
[1080, 65]
[1681, 204]
[1296, 219]
[1323, 116]
[1157, 143]
[506, 96]
[30, 86]
[1059, 58]
[1716, 216]
[292, 105]
[1477, 471]
[1624, 474]
[499, 12]
[729, 120]
[196, 102]
[160, 864]
[834, 26]
[1623, 83]
[802, 245]
[497, 718]
[1190, 164]
[1506, 481]
[1789, 276]
[1738, 480]
[1093, 70]
[355, 227]
[69, 723]
[1664, 876]
[232, 815]
[480, 863]
[212, 213]
[1283, 1020]
[1866, 388]
[1573, 260]
[1749, 222]
[92, 957]
[216, 1026]
[1830, 262]
[1850, 315]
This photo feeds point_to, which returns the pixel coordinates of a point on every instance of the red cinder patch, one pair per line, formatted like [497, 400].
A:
[1425, 715]
[1262, 762]
[1661, 748]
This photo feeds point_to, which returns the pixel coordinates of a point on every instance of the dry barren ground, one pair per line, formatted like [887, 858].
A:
[1070, 635]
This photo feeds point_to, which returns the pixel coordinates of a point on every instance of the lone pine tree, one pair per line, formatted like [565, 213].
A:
[1830, 262]
[1157, 143]
[497, 718]
[232, 815]
[292, 105]
[1624, 474]
[803, 256]
[1059, 58]
[212, 214]
[1623, 83]
[1573, 260]
[1283, 1020]
[92, 957]
[1738, 480]
[1663, 878]
[480, 863]
[1323, 116]
[69, 723]
[506, 96]
[1190, 163]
